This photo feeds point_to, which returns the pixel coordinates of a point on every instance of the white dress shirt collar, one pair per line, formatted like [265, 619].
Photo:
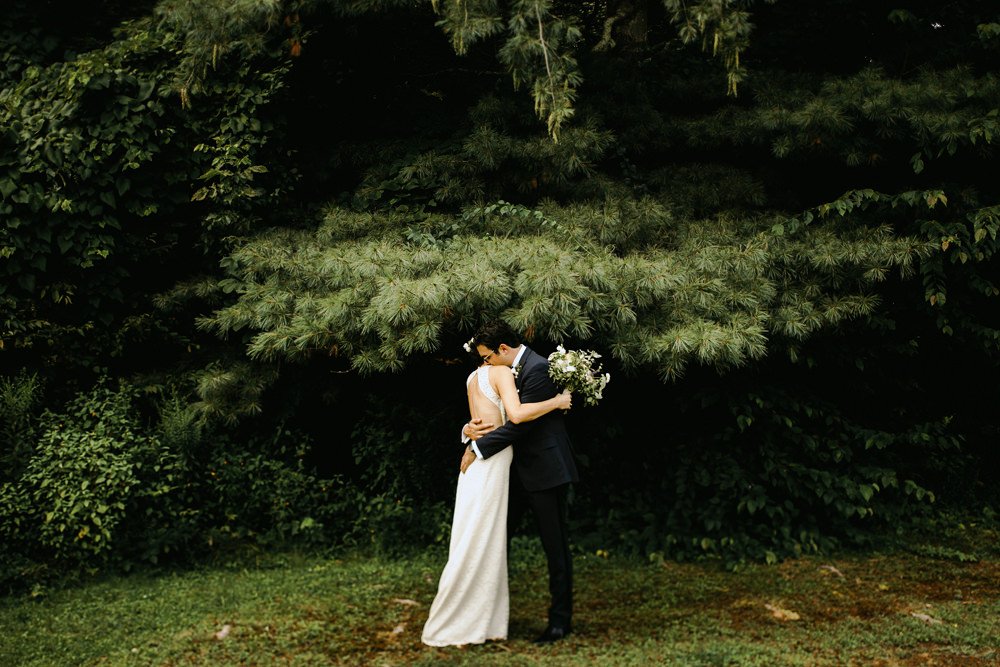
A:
[520, 353]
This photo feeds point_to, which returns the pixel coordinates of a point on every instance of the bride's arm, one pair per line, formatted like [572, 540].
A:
[517, 411]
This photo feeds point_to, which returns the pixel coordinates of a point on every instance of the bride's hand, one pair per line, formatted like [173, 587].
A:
[468, 458]
[565, 400]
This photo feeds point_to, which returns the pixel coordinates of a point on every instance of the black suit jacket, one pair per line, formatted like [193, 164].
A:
[543, 453]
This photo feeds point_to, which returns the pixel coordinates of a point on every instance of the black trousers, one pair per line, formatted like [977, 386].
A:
[549, 508]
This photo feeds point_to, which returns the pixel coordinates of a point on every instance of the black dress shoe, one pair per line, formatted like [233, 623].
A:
[552, 634]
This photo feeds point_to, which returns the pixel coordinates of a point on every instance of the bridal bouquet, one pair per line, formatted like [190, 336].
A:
[579, 372]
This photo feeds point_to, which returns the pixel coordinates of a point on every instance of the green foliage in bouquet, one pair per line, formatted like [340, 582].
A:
[579, 372]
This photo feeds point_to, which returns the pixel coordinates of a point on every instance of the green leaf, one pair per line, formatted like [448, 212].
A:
[7, 186]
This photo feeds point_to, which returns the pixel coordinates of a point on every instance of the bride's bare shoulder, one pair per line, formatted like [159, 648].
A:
[499, 371]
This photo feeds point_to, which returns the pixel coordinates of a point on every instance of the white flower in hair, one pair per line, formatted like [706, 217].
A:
[468, 345]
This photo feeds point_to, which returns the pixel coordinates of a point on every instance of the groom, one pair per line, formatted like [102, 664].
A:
[543, 464]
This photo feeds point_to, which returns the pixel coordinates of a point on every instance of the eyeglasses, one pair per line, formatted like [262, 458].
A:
[486, 357]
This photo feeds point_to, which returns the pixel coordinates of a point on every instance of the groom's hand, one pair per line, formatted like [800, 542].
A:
[476, 429]
[467, 459]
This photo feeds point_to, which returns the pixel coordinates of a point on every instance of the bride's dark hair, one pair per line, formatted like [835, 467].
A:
[496, 332]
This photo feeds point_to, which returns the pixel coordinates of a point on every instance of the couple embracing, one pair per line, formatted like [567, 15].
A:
[518, 455]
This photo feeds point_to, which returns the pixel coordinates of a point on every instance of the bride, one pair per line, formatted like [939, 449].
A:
[472, 604]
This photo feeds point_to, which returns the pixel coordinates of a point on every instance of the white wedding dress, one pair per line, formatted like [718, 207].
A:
[473, 601]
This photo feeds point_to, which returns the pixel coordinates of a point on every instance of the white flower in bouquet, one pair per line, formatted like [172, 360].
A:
[579, 371]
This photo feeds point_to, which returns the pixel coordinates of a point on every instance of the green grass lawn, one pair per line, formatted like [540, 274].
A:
[287, 609]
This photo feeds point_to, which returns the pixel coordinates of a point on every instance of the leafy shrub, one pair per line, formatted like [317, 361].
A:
[19, 399]
[261, 495]
[83, 473]
[406, 476]
[770, 475]
[394, 526]
[163, 511]
[396, 447]
[207, 489]
[100, 487]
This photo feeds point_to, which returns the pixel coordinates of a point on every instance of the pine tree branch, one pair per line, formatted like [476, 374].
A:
[545, 53]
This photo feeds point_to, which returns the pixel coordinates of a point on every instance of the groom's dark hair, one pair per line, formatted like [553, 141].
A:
[491, 335]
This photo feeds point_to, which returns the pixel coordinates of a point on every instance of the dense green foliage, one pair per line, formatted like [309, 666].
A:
[274, 223]
[98, 488]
